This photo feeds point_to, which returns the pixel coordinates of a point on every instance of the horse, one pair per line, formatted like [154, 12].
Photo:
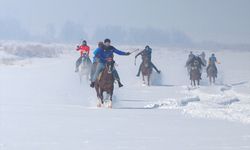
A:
[195, 74]
[105, 84]
[85, 69]
[211, 73]
[146, 69]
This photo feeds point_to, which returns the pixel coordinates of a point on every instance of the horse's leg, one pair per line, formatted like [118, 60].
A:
[101, 95]
[111, 96]
[98, 95]
[210, 80]
[143, 79]
[213, 79]
[149, 80]
[111, 99]
[194, 82]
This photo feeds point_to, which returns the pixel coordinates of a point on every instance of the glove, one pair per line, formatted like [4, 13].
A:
[128, 53]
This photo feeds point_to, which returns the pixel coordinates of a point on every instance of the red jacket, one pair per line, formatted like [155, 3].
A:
[84, 49]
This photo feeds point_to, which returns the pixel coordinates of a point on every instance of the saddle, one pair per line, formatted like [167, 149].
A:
[99, 76]
[110, 62]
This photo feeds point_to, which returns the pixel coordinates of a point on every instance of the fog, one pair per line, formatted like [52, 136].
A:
[171, 22]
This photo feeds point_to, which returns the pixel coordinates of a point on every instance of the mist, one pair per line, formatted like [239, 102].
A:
[159, 22]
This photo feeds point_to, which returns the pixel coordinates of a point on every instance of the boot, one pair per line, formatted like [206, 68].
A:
[92, 84]
[138, 74]
[120, 84]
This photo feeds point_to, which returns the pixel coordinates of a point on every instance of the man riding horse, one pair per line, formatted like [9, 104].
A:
[146, 54]
[105, 54]
[96, 59]
[194, 59]
[84, 55]
[212, 63]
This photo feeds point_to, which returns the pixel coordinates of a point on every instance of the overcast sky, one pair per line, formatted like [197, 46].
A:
[226, 21]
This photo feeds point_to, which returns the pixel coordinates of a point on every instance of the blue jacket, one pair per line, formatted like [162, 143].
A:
[212, 60]
[108, 52]
[96, 55]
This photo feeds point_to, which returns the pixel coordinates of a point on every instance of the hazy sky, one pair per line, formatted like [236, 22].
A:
[225, 21]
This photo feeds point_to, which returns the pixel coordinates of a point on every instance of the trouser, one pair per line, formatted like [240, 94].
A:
[93, 70]
[79, 61]
[151, 65]
[99, 68]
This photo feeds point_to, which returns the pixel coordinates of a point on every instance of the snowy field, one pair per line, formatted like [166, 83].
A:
[43, 106]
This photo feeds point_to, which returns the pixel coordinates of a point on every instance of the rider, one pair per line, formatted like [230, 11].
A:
[212, 62]
[202, 56]
[84, 53]
[191, 59]
[96, 59]
[106, 53]
[146, 53]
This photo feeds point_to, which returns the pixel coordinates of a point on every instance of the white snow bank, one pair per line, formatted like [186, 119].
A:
[14, 52]
[44, 106]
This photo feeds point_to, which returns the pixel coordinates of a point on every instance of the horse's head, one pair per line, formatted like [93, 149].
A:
[110, 65]
[195, 65]
[84, 56]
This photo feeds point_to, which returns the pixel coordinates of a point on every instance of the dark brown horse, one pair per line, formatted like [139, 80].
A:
[146, 70]
[105, 84]
[211, 73]
[195, 74]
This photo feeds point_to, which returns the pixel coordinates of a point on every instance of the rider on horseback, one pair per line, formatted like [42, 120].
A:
[212, 63]
[84, 54]
[105, 54]
[96, 59]
[146, 54]
[203, 58]
[194, 60]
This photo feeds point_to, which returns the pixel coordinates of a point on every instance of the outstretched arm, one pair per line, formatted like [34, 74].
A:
[138, 54]
[218, 62]
[119, 52]
[78, 47]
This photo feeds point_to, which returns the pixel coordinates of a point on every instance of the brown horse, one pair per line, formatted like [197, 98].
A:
[146, 70]
[195, 74]
[105, 84]
[211, 73]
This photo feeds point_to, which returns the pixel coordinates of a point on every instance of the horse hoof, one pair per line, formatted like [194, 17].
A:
[110, 106]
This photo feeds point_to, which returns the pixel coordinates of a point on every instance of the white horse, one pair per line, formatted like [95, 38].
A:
[85, 69]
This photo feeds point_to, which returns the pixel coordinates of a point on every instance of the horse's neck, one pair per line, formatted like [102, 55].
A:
[106, 74]
[146, 60]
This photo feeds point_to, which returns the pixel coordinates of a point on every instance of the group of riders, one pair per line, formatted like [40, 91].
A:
[198, 62]
[105, 54]
[103, 73]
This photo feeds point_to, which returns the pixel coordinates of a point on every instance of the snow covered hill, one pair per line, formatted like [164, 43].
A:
[44, 106]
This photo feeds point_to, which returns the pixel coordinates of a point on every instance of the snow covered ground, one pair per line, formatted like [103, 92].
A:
[44, 106]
